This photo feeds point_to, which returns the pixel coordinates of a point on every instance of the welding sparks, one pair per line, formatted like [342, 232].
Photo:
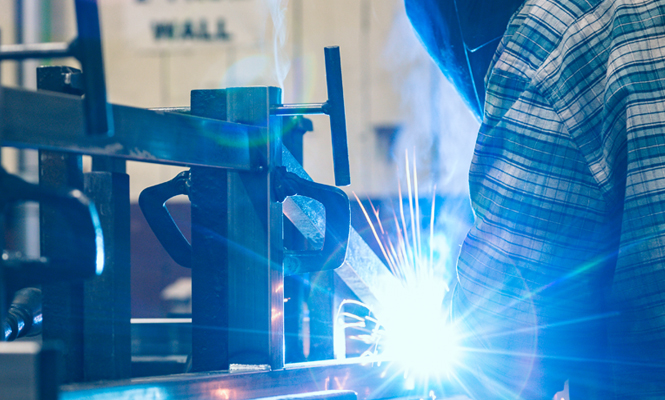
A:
[413, 328]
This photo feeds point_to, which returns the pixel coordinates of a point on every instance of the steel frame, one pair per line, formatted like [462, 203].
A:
[370, 380]
[226, 165]
[238, 250]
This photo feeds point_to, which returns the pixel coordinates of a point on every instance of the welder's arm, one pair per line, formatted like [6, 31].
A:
[540, 249]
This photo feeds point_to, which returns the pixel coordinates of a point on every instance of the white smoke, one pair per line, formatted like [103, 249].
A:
[434, 120]
[281, 58]
[270, 63]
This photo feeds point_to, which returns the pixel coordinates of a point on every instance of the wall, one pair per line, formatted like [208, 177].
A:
[7, 36]
[388, 82]
[164, 78]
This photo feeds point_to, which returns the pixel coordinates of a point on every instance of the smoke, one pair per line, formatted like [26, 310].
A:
[269, 64]
[434, 120]
[281, 59]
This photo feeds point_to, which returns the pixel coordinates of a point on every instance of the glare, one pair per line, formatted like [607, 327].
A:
[99, 239]
[418, 334]
[413, 328]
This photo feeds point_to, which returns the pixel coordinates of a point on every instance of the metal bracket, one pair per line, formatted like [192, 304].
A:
[335, 202]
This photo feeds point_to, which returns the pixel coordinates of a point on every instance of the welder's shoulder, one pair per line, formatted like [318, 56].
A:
[536, 31]
[597, 41]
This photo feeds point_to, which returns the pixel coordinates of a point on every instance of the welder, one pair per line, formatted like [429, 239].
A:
[562, 276]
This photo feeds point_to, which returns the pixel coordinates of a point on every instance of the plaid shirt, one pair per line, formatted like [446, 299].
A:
[568, 187]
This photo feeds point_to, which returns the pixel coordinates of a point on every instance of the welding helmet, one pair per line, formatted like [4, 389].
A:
[462, 37]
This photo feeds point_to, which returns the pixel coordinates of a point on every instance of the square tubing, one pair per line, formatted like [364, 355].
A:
[91, 318]
[237, 271]
[210, 300]
[107, 306]
[62, 304]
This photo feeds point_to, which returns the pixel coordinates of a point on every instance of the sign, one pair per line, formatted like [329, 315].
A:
[179, 24]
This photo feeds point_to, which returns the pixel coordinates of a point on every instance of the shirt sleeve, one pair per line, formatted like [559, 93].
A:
[606, 82]
[548, 192]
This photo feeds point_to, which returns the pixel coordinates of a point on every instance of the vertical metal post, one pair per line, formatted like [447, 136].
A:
[256, 284]
[321, 315]
[294, 291]
[210, 270]
[3, 291]
[62, 302]
[210, 300]
[237, 243]
[295, 287]
[107, 308]
[89, 53]
[62, 306]
[2, 214]
[92, 319]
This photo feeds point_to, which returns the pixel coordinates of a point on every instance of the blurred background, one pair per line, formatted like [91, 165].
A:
[157, 51]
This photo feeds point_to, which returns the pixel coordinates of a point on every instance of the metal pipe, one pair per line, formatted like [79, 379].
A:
[337, 116]
[300, 109]
[98, 114]
[181, 110]
[283, 110]
[35, 50]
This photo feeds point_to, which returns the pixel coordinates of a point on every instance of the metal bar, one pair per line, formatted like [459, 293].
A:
[295, 286]
[282, 110]
[99, 312]
[237, 304]
[88, 50]
[321, 315]
[61, 79]
[294, 300]
[3, 301]
[62, 307]
[210, 273]
[182, 110]
[210, 299]
[35, 50]
[300, 109]
[368, 380]
[106, 323]
[337, 116]
[63, 302]
[256, 283]
[140, 134]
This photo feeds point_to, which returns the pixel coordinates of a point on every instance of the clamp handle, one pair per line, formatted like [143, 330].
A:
[334, 107]
[336, 237]
[152, 201]
[337, 116]
[338, 220]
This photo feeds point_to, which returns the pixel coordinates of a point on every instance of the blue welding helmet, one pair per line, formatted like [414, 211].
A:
[462, 37]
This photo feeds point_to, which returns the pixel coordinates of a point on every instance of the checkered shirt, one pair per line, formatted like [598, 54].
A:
[568, 184]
